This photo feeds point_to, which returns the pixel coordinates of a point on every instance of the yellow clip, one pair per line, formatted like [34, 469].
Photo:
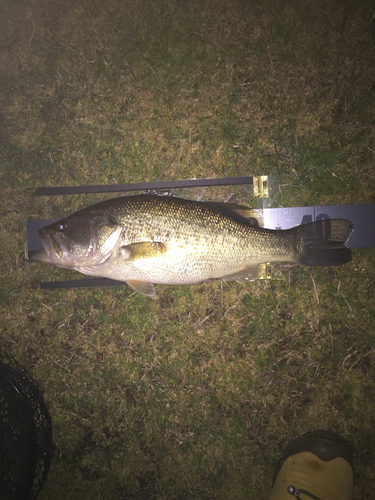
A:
[260, 186]
[265, 271]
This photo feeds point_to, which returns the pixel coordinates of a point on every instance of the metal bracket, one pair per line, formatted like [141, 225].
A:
[260, 186]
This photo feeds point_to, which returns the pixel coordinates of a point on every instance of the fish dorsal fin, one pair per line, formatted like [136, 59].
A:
[142, 250]
[143, 287]
[260, 271]
[252, 215]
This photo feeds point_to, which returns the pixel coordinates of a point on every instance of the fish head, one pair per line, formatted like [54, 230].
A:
[84, 239]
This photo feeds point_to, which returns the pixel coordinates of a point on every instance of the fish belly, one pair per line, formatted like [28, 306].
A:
[187, 263]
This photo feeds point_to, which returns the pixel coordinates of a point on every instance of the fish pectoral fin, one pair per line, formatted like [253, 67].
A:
[143, 287]
[258, 272]
[143, 249]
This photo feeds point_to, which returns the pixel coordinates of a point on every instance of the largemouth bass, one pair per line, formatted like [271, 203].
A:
[145, 240]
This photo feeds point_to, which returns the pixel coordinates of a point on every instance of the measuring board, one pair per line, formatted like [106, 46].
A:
[362, 215]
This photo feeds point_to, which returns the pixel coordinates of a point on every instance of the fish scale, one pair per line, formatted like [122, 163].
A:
[204, 245]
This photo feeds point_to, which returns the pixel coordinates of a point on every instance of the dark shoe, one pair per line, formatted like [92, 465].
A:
[316, 465]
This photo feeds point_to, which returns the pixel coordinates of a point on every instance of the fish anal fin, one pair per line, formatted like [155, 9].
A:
[143, 287]
[253, 273]
[142, 250]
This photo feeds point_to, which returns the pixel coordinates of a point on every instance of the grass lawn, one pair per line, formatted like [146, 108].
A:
[196, 394]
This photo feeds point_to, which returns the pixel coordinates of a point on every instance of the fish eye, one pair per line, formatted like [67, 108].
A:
[111, 222]
[62, 226]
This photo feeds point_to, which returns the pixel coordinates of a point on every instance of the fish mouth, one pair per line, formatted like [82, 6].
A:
[55, 246]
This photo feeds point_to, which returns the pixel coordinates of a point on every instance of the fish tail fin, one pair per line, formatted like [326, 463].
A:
[324, 242]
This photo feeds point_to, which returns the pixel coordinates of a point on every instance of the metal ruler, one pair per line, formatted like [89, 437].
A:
[363, 235]
[362, 215]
